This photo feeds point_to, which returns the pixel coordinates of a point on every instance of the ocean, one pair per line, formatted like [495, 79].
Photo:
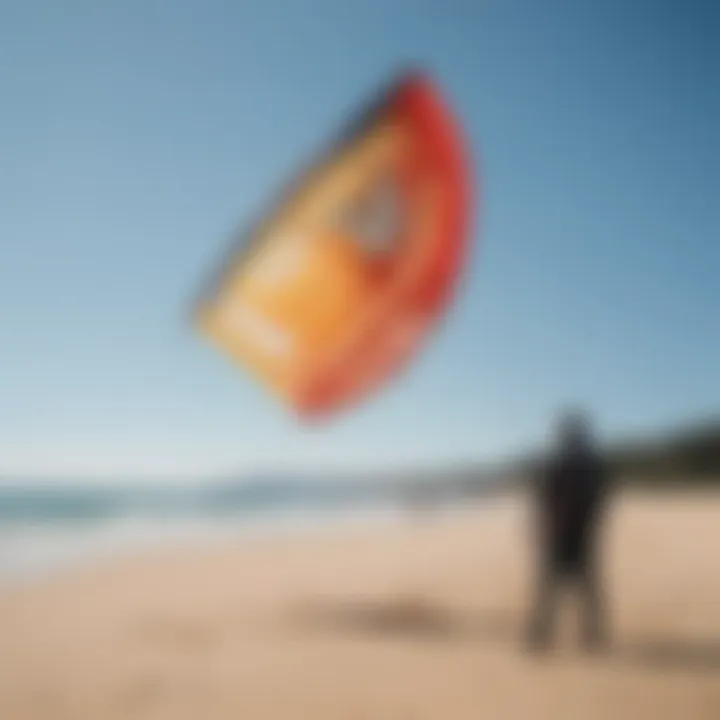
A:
[48, 527]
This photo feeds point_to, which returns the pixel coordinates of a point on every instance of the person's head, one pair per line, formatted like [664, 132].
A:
[574, 431]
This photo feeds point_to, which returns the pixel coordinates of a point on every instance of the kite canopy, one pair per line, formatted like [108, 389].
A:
[337, 286]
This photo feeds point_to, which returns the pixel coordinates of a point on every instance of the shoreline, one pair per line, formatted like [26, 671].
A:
[31, 553]
[52, 548]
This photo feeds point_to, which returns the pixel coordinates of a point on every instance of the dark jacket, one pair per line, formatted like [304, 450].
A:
[570, 496]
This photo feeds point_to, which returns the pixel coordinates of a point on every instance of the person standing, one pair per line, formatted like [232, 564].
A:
[569, 505]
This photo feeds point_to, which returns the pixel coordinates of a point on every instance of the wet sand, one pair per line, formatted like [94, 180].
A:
[413, 620]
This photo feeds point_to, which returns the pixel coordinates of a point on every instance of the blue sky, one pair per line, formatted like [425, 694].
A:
[136, 136]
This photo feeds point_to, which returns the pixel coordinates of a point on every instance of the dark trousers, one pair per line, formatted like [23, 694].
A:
[584, 579]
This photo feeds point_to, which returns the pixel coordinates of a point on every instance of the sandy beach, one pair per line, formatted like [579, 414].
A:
[408, 620]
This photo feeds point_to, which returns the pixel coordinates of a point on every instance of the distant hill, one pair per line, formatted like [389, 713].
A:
[690, 454]
[685, 457]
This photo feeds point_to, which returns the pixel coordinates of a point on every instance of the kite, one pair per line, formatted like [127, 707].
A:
[337, 287]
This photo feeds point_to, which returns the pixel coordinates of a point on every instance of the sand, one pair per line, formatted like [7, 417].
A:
[409, 620]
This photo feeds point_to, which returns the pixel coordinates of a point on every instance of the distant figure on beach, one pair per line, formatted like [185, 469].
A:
[569, 500]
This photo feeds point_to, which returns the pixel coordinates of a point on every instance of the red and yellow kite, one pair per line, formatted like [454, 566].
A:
[339, 285]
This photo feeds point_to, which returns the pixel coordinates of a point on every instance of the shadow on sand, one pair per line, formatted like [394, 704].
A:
[412, 618]
[418, 619]
[702, 654]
